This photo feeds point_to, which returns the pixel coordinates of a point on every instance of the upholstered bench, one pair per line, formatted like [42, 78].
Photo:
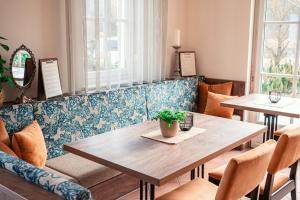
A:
[72, 118]
[40, 177]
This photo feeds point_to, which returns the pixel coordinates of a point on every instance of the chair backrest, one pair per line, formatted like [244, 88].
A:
[287, 151]
[244, 172]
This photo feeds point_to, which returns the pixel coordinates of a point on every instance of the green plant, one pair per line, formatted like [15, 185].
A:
[170, 117]
[3, 77]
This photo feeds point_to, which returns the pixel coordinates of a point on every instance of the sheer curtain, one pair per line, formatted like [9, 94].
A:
[117, 42]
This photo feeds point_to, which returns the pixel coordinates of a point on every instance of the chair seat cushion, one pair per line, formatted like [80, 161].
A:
[85, 172]
[217, 173]
[279, 180]
[198, 189]
[285, 129]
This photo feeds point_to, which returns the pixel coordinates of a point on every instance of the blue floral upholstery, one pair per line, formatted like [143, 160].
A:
[177, 95]
[52, 117]
[16, 117]
[128, 106]
[50, 182]
[71, 118]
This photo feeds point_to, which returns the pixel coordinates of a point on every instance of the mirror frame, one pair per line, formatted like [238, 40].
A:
[23, 47]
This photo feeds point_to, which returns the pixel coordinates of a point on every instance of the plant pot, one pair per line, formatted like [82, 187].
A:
[1, 98]
[168, 132]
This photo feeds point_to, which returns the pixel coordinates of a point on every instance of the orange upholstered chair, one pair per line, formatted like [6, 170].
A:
[242, 176]
[276, 185]
[285, 129]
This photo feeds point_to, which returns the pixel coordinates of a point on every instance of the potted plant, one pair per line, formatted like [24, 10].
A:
[169, 122]
[3, 77]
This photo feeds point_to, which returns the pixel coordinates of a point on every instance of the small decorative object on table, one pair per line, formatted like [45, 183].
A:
[274, 96]
[188, 123]
[169, 122]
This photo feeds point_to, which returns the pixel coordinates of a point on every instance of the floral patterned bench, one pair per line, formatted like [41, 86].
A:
[72, 118]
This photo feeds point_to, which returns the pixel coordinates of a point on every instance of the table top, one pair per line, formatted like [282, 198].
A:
[157, 163]
[287, 106]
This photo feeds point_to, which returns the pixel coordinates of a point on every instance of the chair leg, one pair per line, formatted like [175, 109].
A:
[214, 181]
[255, 194]
[294, 195]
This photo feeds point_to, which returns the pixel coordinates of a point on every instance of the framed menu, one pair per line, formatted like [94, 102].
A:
[49, 80]
[187, 62]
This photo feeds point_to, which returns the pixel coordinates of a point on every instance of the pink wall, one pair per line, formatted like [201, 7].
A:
[41, 26]
[219, 32]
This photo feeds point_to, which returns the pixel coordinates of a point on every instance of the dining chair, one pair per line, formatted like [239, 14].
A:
[285, 129]
[242, 176]
[275, 184]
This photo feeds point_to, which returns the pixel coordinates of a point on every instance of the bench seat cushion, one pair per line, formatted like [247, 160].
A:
[85, 172]
[64, 176]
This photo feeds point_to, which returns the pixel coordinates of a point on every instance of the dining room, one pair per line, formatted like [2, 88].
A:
[149, 99]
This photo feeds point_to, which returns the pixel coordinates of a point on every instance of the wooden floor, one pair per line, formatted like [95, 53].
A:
[184, 179]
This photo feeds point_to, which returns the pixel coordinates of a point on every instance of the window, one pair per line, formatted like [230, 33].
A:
[280, 59]
[106, 29]
[124, 42]
[279, 62]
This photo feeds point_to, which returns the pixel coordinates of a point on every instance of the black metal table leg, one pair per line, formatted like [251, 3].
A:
[193, 174]
[152, 192]
[265, 123]
[146, 190]
[272, 122]
[141, 190]
[144, 193]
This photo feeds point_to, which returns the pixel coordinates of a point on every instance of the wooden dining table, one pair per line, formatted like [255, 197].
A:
[287, 106]
[155, 163]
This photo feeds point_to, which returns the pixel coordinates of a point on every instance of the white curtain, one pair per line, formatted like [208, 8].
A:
[117, 42]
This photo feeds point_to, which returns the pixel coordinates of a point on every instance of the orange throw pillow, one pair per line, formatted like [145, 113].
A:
[29, 145]
[213, 106]
[7, 149]
[203, 89]
[3, 134]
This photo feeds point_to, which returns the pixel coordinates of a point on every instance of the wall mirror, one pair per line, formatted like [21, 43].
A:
[23, 67]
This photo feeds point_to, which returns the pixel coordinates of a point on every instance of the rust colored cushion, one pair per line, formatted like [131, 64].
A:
[3, 134]
[203, 89]
[7, 149]
[213, 105]
[29, 145]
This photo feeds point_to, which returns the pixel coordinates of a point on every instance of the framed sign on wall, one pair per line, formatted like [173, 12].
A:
[187, 62]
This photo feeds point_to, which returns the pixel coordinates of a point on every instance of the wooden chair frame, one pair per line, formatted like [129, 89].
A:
[288, 187]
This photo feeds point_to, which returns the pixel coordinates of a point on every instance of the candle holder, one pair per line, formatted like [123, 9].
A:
[176, 73]
[188, 123]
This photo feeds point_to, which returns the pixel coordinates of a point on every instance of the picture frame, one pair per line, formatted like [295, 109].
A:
[49, 82]
[187, 63]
